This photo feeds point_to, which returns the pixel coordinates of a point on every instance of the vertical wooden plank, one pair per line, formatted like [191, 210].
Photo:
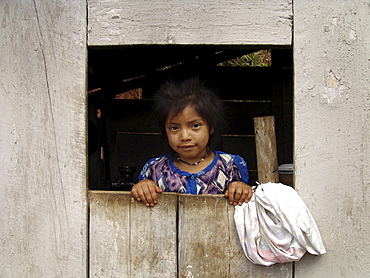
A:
[203, 236]
[153, 238]
[332, 131]
[209, 245]
[109, 246]
[43, 203]
[128, 239]
[267, 161]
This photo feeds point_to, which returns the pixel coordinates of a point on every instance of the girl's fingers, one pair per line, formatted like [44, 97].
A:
[146, 192]
[242, 198]
[250, 194]
[226, 194]
[230, 195]
[238, 193]
[148, 195]
[135, 194]
[152, 196]
[246, 196]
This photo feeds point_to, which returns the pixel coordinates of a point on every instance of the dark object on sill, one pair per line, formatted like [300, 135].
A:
[125, 181]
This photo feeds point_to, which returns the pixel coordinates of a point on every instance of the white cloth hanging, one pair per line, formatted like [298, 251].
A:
[275, 226]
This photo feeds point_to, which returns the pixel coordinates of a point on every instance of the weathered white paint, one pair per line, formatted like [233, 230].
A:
[182, 236]
[128, 239]
[43, 212]
[42, 143]
[257, 22]
[332, 116]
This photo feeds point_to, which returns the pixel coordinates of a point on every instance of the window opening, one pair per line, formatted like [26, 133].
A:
[123, 133]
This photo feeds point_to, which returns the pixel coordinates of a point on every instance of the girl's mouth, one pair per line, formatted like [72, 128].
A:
[186, 148]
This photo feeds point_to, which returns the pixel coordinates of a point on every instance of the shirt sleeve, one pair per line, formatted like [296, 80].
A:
[146, 171]
[152, 169]
[242, 167]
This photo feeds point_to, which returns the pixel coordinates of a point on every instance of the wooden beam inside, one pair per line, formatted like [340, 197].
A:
[266, 150]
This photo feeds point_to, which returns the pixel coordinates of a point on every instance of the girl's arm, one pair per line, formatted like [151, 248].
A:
[146, 191]
[238, 192]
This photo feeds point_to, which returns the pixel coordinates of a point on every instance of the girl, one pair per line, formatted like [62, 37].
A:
[191, 117]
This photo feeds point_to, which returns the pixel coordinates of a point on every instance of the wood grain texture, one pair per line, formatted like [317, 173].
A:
[266, 151]
[209, 245]
[154, 238]
[128, 239]
[43, 208]
[203, 236]
[109, 230]
[123, 22]
[182, 236]
[331, 133]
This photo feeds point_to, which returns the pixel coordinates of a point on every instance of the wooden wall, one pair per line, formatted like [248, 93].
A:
[43, 204]
[332, 100]
[190, 22]
[182, 236]
[180, 24]
[43, 165]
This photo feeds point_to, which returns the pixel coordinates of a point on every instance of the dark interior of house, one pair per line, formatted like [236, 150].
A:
[123, 133]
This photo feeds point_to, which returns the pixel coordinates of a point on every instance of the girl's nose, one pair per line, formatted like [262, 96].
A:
[185, 135]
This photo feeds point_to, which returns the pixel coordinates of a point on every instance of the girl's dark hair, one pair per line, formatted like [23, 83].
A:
[174, 96]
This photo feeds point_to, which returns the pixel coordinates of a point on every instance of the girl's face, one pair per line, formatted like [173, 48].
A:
[188, 134]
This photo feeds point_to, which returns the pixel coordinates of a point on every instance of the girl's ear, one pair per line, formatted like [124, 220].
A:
[211, 131]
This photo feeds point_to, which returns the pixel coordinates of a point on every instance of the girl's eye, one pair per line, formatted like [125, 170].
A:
[174, 128]
[196, 125]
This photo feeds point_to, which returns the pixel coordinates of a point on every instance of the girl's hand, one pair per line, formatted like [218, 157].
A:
[238, 192]
[146, 191]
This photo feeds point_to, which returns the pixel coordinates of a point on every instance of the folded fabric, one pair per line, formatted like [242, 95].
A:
[275, 226]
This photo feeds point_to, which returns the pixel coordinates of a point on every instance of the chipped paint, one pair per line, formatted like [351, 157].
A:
[352, 34]
[331, 135]
[334, 24]
[333, 88]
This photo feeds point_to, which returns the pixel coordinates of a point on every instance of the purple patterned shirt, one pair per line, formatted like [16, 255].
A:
[214, 179]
